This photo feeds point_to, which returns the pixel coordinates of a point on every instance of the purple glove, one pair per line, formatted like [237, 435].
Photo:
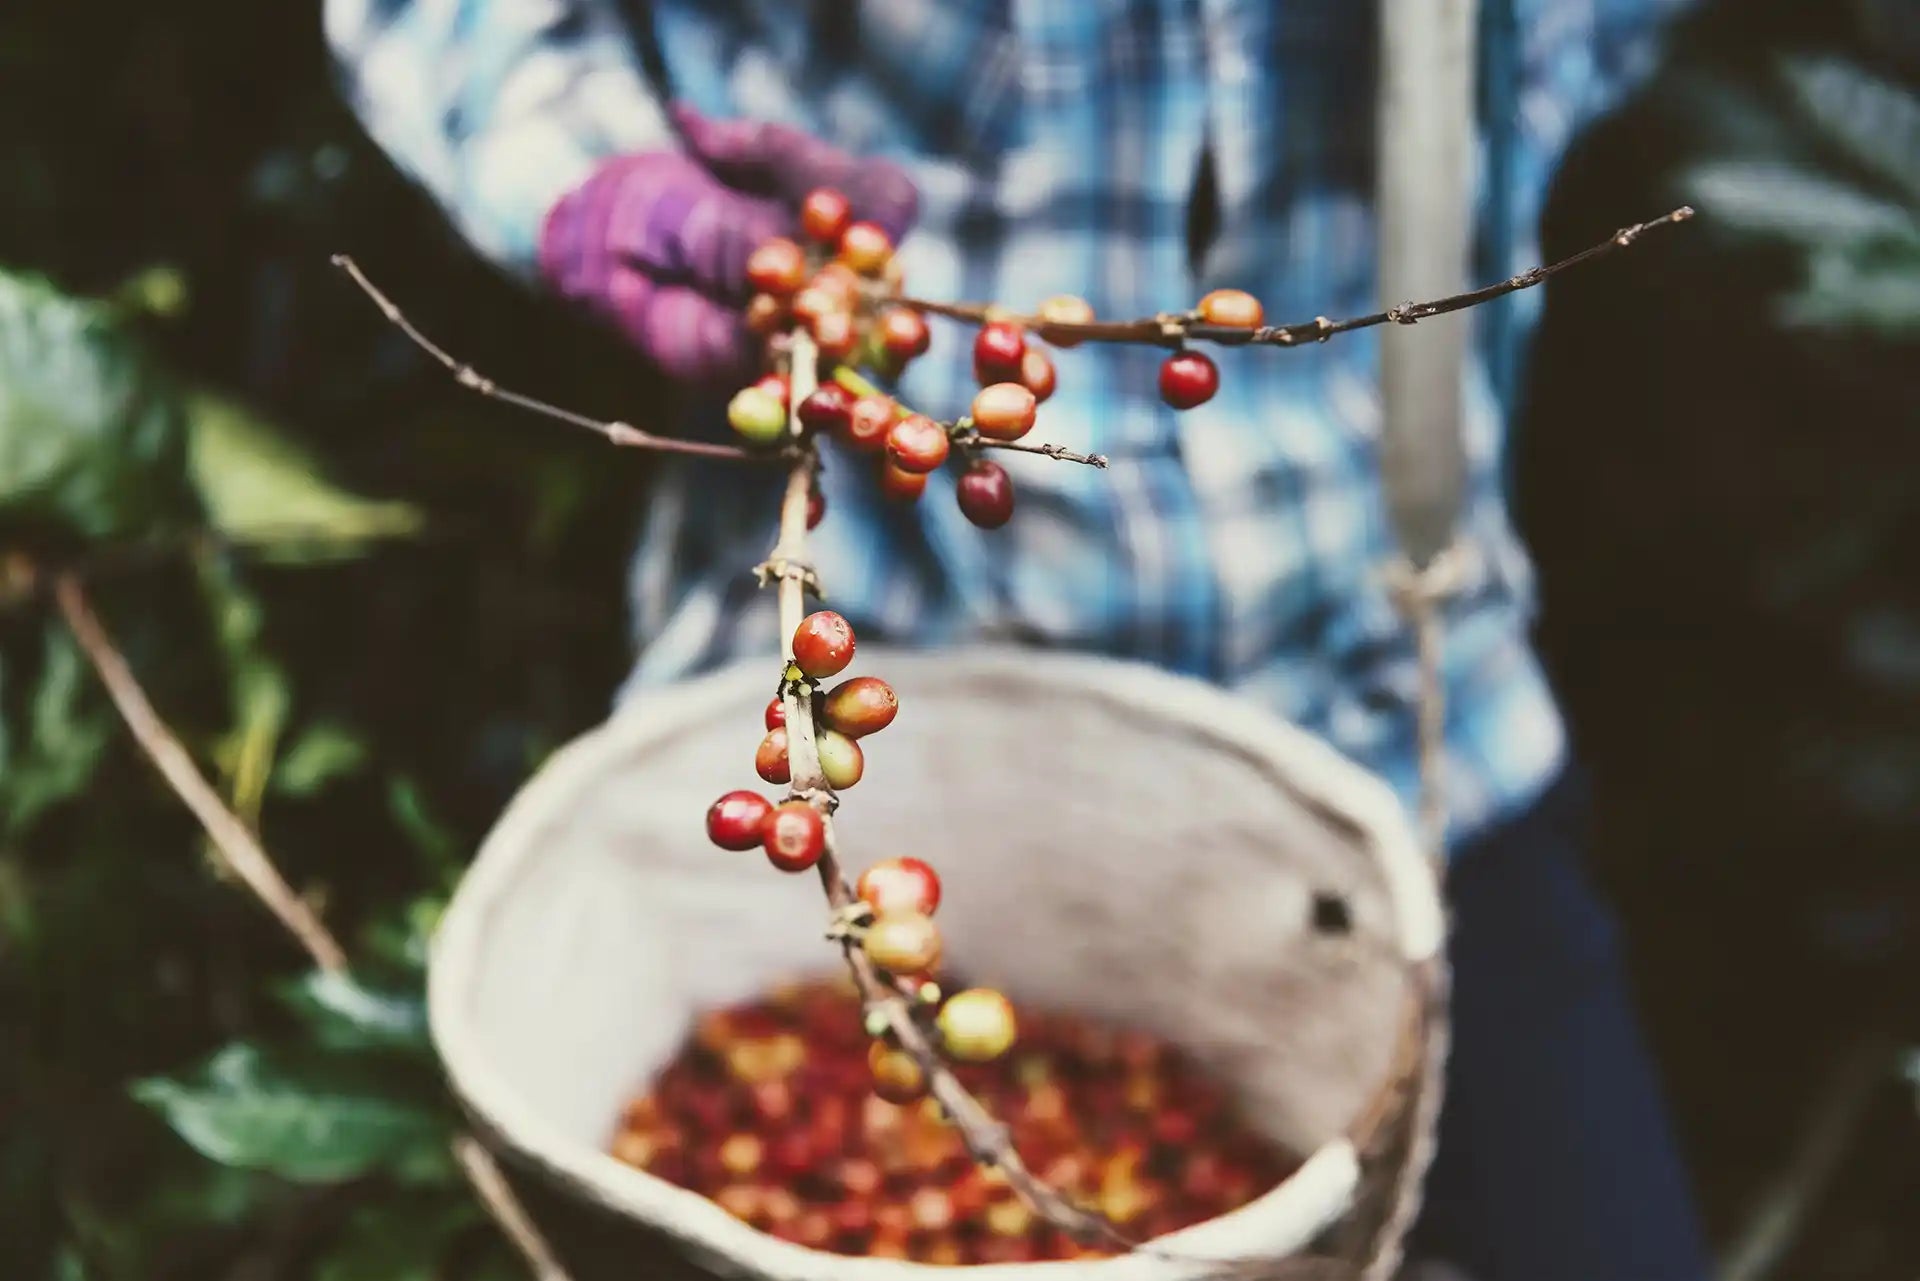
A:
[658, 241]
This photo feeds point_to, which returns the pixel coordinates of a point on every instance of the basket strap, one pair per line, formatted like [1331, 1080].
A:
[1424, 194]
[1423, 185]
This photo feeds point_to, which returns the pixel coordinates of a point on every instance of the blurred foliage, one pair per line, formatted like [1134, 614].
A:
[94, 443]
[369, 603]
[1726, 529]
[332, 1103]
[1832, 176]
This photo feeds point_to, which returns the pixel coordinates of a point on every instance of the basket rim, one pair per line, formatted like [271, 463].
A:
[1308, 1201]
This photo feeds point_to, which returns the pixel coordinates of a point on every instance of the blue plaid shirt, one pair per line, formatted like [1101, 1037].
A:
[1056, 144]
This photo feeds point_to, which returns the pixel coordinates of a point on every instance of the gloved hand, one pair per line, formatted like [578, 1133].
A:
[657, 242]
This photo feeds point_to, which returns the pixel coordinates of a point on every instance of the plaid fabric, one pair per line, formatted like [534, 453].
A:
[1056, 144]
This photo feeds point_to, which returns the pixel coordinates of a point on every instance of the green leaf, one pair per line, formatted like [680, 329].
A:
[262, 490]
[398, 1239]
[66, 735]
[220, 1195]
[92, 436]
[156, 291]
[428, 834]
[1873, 121]
[324, 752]
[1793, 202]
[184, 1198]
[320, 1121]
[346, 1014]
[401, 941]
[259, 688]
[1844, 291]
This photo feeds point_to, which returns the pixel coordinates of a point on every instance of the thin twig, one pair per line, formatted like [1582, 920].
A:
[235, 844]
[497, 1197]
[1776, 1220]
[974, 440]
[1176, 328]
[467, 376]
[986, 1140]
[247, 859]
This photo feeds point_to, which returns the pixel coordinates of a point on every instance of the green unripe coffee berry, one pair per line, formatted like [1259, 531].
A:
[757, 414]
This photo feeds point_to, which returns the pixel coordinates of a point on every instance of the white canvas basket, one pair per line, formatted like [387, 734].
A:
[1135, 846]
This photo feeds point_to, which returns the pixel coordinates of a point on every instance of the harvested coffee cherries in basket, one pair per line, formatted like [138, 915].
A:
[778, 1110]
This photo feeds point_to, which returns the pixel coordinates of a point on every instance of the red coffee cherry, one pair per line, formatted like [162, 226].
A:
[736, 820]
[866, 248]
[741, 1154]
[794, 837]
[770, 759]
[1235, 308]
[815, 301]
[814, 1228]
[824, 215]
[823, 644]
[904, 943]
[861, 706]
[917, 443]
[899, 885]
[1037, 373]
[902, 486]
[897, 1077]
[932, 1212]
[1003, 411]
[741, 1200]
[816, 508]
[868, 421]
[985, 494]
[904, 333]
[766, 314]
[777, 266]
[834, 334]
[840, 280]
[1188, 378]
[791, 1156]
[1065, 309]
[826, 408]
[997, 351]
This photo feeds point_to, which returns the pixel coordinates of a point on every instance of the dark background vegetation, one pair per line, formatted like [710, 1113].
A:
[424, 676]
[1717, 467]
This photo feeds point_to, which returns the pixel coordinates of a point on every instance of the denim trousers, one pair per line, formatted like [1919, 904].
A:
[1556, 1160]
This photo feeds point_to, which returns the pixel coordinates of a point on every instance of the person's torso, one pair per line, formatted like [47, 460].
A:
[1058, 147]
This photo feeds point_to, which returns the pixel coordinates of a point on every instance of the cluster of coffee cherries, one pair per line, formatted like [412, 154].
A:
[765, 1110]
[897, 900]
[792, 832]
[892, 916]
[840, 289]
[832, 286]
[1188, 378]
